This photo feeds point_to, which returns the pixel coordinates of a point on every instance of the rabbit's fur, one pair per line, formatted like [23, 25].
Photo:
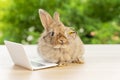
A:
[58, 43]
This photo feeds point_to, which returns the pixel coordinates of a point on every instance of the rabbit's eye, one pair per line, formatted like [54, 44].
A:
[72, 32]
[52, 33]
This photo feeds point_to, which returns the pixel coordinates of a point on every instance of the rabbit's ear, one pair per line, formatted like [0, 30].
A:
[45, 18]
[56, 16]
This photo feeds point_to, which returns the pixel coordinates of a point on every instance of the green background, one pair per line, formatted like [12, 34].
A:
[96, 21]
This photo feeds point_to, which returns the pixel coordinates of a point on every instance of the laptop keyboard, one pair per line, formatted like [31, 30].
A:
[35, 64]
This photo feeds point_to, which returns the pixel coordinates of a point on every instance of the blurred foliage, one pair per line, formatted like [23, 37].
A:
[96, 21]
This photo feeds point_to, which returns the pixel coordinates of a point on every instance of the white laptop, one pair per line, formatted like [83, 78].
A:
[19, 57]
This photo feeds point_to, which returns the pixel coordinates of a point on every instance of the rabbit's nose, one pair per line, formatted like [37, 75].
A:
[62, 41]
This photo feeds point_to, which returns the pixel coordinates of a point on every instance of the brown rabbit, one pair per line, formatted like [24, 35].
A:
[58, 43]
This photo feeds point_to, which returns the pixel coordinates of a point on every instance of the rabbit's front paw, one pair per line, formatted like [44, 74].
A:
[78, 60]
[62, 63]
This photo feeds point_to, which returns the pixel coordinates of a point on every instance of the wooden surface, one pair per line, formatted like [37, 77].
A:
[102, 62]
